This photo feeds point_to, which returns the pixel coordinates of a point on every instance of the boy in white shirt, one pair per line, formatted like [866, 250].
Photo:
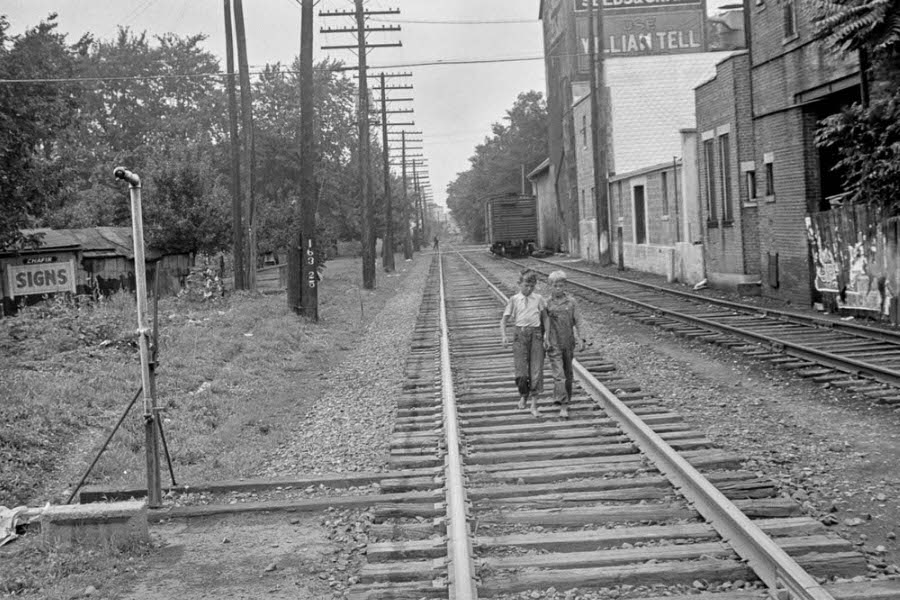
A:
[525, 310]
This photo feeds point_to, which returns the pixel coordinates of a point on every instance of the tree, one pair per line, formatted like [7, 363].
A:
[277, 124]
[497, 163]
[859, 24]
[187, 206]
[866, 136]
[867, 140]
[32, 115]
[146, 103]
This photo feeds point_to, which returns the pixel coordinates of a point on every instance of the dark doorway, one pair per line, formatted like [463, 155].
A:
[830, 178]
[640, 226]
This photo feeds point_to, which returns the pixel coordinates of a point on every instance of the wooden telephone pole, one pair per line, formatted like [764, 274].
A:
[366, 201]
[303, 283]
[236, 197]
[387, 249]
[248, 148]
[598, 131]
[404, 165]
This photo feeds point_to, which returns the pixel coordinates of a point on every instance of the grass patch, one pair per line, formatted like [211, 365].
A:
[30, 567]
[236, 375]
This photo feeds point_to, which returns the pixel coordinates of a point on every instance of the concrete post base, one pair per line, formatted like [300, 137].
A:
[116, 524]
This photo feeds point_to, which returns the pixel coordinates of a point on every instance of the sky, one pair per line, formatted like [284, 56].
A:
[455, 104]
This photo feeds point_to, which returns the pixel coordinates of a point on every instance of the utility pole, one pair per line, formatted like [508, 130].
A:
[303, 284]
[247, 127]
[368, 218]
[407, 239]
[366, 201]
[387, 249]
[240, 282]
[417, 225]
[404, 164]
[598, 130]
[420, 204]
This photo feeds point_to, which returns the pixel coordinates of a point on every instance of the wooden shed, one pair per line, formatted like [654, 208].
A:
[92, 261]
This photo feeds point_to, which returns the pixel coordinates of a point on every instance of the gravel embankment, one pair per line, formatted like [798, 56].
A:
[349, 428]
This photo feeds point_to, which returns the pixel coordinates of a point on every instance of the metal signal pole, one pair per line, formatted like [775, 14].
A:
[151, 414]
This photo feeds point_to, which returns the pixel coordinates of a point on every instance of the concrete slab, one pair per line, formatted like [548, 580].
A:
[114, 524]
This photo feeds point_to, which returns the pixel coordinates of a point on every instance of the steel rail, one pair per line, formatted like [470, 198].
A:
[854, 328]
[835, 361]
[459, 542]
[781, 573]
[772, 564]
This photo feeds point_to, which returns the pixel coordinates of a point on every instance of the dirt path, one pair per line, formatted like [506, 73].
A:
[244, 556]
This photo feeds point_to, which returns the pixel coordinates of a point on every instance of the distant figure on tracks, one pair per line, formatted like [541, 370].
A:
[560, 334]
[436, 242]
[524, 309]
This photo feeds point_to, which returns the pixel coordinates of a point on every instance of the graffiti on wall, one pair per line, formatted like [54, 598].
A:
[849, 254]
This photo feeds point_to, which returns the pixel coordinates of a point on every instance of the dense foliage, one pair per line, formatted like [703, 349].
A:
[157, 105]
[868, 142]
[520, 141]
[33, 116]
[866, 137]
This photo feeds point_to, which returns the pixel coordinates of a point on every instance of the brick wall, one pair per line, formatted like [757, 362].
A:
[723, 108]
[784, 68]
[781, 216]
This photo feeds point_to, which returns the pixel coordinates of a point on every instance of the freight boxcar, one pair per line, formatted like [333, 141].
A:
[510, 223]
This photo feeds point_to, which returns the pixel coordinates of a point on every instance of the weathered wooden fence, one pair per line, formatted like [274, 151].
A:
[855, 253]
[271, 279]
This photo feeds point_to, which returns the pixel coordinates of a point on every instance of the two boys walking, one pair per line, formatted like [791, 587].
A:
[542, 325]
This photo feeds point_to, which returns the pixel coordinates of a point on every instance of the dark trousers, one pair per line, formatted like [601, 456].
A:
[528, 356]
[561, 366]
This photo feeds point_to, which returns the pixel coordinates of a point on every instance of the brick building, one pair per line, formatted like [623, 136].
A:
[650, 142]
[760, 172]
[650, 75]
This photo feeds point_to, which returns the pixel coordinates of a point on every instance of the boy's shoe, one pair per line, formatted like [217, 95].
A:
[521, 404]
[564, 412]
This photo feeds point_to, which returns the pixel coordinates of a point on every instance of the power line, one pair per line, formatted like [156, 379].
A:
[460, 21]
[285, 71]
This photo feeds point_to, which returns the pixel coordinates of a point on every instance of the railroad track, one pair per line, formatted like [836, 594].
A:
[861, 359]
[609, 499]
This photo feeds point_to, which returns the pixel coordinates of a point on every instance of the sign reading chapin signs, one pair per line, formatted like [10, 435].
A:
[644, 27]
[40, 278]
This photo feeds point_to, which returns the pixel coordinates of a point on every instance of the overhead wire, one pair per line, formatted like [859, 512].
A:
[285, 71]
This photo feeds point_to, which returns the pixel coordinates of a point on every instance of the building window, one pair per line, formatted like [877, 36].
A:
[725, 163]
[664, 188]
[709, 159]
[621, 200]
[790, 19]
[640, 224]
[751, 185]
[584, 128]
[770, 180]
